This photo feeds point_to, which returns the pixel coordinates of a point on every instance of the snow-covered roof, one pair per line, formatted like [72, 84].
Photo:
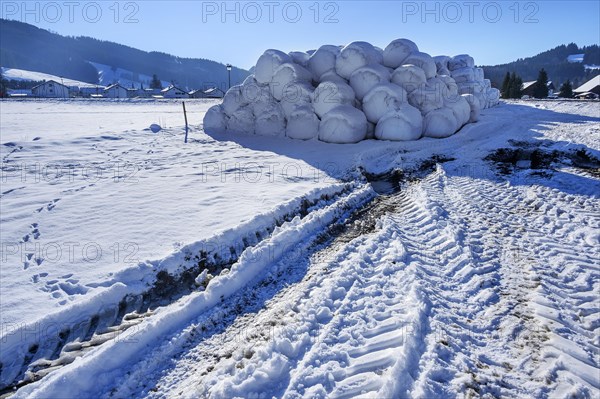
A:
[212, 90]
[48, 81]
[167, 89]
[115, 85]
[589, 85]
[526, 85]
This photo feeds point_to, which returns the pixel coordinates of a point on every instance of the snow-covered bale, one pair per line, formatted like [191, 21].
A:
[461, 61]
[332, 76]
[234, 99]
[475, 107]
[439, 123]
[323, 60]
[241, 121]
[429, 96]
[285, 75]
[405, 123]
[441, 64]
[492, 96]
[356, 55]
[364, 79]
[465, 74]
[479, 75]
[300, 57]
[252, 91]
[461, 110]
[215, 120]
[268, 63]
[295, 95]
[302, 123]
[381, 99]
[397, 51]
[343, 124]
[271, 122]
[329, 95]
[450, 84]
[423, 61]
[409, 77]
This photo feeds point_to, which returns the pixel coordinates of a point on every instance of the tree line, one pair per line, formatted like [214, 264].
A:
[512, 86]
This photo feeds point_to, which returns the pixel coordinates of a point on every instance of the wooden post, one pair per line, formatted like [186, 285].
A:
[186, 122]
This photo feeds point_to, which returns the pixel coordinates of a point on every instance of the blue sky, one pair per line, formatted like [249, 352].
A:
[238, 32]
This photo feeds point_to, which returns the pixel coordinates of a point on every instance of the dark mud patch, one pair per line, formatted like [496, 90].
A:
[541, 160]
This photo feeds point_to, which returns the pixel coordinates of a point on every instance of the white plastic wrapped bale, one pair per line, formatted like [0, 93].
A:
[439, 123]
[271, 122]
[343, 124]
[405, 123]
[370, 131]
[397, 51]
[302, 123]
[356, 55]
[323, 60]
[364, 79]
[461, 109]
[461, 61]
[329, 95]
[253, 92]
[215, 120]
[295, 95]
[430, 96]
[474, 106]
[492, 96]
[441, 64]
[475, 88]
[300, 57]
[450, 84]
[465, 74]
[381, 99]
[487, 84]
[332, 76]
[409, 77]
[241, 121]
[423, 61]
[285, 75]
[479, 75]
[268, 63]
[234, 99]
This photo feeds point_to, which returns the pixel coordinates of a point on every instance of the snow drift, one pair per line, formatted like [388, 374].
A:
[345, 94]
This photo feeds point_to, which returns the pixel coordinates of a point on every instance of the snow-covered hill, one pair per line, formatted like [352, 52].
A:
[108, 75]
[248, 266]
[21, 74]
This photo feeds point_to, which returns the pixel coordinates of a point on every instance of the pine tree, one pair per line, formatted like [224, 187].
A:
[155, 83]
[566, 90]
[541, 85]
[505, 86]
[3, 83]
[514, 86]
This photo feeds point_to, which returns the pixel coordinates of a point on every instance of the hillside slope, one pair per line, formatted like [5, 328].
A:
[25, 46]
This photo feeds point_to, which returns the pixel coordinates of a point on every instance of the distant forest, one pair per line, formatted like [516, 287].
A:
[554, 62]
[25, 46]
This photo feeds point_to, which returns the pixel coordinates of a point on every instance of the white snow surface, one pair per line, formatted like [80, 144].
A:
[468, 282]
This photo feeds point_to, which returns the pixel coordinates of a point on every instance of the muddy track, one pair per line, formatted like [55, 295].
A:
[70, 343]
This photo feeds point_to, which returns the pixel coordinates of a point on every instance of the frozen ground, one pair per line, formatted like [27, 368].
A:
[476, 276]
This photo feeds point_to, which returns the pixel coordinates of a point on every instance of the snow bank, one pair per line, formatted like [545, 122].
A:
[296, 94]
[343, 124]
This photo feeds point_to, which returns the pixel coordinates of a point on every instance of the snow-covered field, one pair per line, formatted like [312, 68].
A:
[134, 265]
